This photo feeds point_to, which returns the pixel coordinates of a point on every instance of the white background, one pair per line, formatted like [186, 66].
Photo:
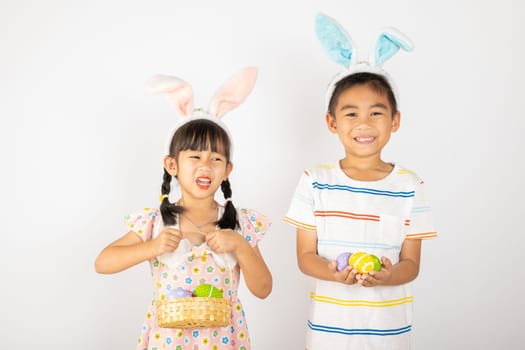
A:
[82, 142]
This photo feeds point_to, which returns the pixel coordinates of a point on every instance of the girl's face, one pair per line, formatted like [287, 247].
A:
[363, 121]
[200, 173]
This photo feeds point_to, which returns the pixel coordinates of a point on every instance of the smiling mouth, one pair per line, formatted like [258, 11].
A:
[203, 182]
[364, 139]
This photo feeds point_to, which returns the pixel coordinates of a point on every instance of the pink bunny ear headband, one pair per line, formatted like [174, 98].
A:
[339, 46]
[230, 95]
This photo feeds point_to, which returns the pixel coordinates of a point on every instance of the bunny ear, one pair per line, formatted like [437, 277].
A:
[178, 92]
[335, 41]
[388, 43]
[233, 92]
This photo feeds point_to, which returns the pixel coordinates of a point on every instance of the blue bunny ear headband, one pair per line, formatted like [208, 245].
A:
[339, 47]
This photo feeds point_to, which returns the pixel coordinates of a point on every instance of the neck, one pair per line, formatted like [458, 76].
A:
[199, 204]
[365, 169]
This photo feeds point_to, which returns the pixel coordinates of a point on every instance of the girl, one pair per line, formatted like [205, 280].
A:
[195, 240]
[360, 203]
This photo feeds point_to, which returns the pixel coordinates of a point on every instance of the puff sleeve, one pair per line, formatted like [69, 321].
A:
[141, 222]
[254, 225]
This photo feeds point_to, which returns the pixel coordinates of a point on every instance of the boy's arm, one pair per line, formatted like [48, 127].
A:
[403, 272]
[310, 263]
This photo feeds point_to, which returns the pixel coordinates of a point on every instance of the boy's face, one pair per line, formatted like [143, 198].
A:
[363, 121]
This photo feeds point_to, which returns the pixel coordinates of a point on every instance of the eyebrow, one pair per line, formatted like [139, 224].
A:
[376, 105]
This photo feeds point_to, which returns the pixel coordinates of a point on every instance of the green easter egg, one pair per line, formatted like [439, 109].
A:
[377, 262]
[207, 290]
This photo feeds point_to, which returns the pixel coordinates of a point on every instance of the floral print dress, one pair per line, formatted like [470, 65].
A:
[189, 266]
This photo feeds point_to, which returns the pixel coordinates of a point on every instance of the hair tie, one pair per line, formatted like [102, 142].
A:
[162, 196]
[229, 199]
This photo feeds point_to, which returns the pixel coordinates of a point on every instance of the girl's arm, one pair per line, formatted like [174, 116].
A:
[256, 274]
[130, 250]
[310, 263]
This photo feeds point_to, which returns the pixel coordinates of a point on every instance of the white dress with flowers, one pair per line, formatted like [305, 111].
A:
[190, 266]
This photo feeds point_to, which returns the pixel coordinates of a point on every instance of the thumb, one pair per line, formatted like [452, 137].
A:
[387, 264]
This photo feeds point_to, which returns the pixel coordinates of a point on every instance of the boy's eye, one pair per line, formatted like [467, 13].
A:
[351, 115]
[377, 114]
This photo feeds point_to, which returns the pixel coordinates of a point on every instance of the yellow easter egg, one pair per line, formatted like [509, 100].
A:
[364, 262]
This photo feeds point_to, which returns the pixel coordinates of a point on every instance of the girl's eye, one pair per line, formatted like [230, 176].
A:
[217, 159]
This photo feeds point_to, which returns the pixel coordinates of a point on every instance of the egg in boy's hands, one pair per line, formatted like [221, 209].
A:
[361, 261]
[376, 278]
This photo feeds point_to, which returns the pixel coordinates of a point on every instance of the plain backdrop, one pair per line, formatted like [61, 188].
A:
[82, 142]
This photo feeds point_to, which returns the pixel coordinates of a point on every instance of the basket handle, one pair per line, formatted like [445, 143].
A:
[157, 225]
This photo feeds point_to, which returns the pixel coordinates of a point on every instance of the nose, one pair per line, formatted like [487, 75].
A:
[363, 124]
[204, 164]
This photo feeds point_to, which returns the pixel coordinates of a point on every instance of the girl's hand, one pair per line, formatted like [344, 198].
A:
[167, 241]
[224, 241]
[376, 278]
[347, 276]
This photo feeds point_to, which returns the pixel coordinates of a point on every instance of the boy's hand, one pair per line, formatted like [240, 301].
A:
[347, 276]
[167, 241]
[376, 278]
[224, 241]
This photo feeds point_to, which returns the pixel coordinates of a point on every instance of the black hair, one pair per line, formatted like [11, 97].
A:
[199, 135]
[376, 82]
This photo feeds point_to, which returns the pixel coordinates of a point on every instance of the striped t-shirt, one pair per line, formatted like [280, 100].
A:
[350, 216]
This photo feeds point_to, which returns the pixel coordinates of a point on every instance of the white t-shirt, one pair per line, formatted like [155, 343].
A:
[351, 216]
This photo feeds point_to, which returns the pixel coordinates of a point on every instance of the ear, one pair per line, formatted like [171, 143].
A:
[178, 92]
[388, 43]
[229, 169]
[330, 123]
[233, 92]
[396, 121]
[170, 164]
[335, 41]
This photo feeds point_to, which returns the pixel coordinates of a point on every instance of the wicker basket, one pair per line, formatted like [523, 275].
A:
[194, 312]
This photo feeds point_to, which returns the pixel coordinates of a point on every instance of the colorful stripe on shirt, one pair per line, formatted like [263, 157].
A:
[361, 303]
[359, 331]
[349, 215]
[357, 245]
[421, 235]
[300, 224]
[346, 214]
[365, 190]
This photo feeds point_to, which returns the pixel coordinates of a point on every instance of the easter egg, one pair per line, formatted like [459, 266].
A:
[179, 293]
[364, 262]
[207, 290]
[342, 260]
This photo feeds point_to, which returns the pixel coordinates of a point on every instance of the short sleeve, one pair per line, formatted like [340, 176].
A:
[301, 211]
[421, 218]
[141, 222]
[254, 225]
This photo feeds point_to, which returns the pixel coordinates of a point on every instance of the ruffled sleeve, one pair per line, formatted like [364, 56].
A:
[254, 225]
[141, 222]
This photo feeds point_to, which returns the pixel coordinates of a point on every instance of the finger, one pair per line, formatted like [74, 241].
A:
[387, 264]
[174, 232]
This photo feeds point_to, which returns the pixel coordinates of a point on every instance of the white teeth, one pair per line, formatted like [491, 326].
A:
[203, 180]
[365, 139]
